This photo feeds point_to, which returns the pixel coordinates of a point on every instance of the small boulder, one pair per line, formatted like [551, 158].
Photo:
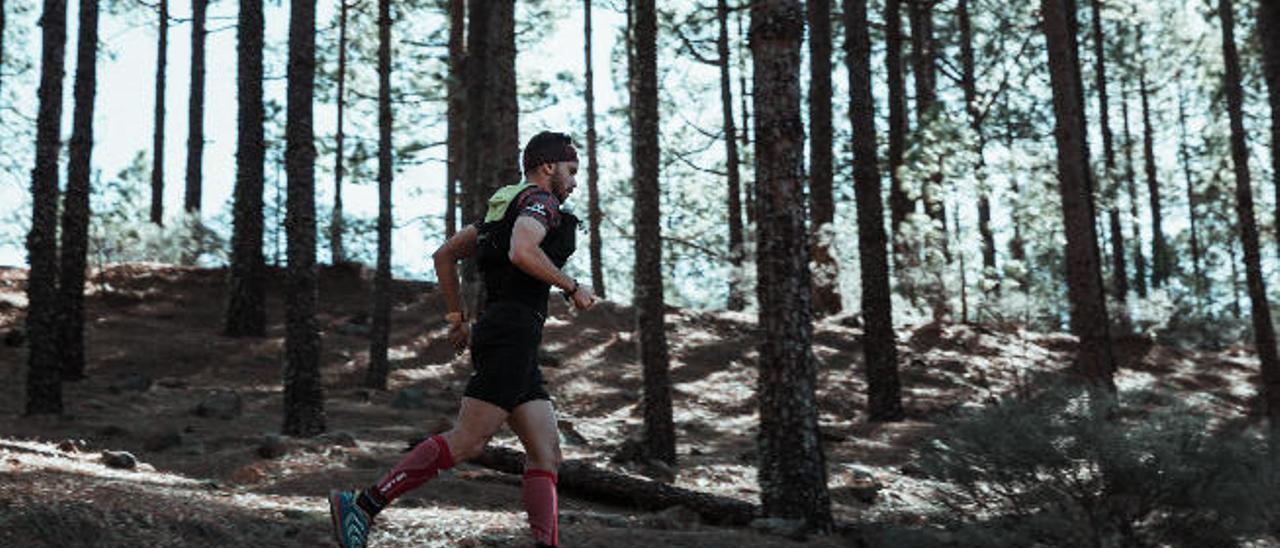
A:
[788, 528]
[272, 446]
[413, 397]
[220, 404]
[15, 337]
[123, 460]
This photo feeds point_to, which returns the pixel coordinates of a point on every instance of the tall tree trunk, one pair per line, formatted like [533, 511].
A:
[1120, 279]
[1139, 261]
[737, 298]
[247, 292]
[1235, 281]
[157, 141]
[381, 332]
[337, 253]
[75, 202]
[1264, 334]
[44, 371]
[303, 393]
[899, 204]
[1268, 14]
[925, 72]
[748, 187]
[1084, 275]
[884, 391]
[457, 111]
[822, 206]
[195, 112]
[1197, 283]
[594, 215]
[792, 468]
[493, 148]
[970, 84]
[659, 428]
[3, 11]
[1161, 262]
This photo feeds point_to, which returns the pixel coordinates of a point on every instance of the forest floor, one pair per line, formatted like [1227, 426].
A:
[198, 410]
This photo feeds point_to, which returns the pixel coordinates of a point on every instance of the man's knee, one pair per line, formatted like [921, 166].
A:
[544, 458]
[465, 445]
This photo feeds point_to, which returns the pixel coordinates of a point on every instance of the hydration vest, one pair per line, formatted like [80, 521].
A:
[503, 281]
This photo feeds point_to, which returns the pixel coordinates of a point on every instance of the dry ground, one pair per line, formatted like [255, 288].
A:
[155, 352]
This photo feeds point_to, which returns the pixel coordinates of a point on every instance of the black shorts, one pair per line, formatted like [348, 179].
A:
[504, 356]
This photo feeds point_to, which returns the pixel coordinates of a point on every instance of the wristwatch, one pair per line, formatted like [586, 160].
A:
[455, 318]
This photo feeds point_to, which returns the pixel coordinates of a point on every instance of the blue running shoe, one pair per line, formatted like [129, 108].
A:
[350, 522]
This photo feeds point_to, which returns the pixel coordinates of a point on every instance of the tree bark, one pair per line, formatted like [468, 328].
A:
[1094, 361]
[585, 480]
[247, 292]
[195, 112]
[44, 371]
[884, 391]
[1264, 335]
[1120, 280]
[925, 71]
[493, 148]
[337, 252]
[899, 204]
[737, 297]
[1268, 14]
[1197, 283]
[594, 215]
[748, 187]
[822, 207]
[3, 11]
[1139, 261]
[970, 84]
[1161, 261]
[75, 204]
[303, 393]
[457, 111]
[157, 141]
[380, 334]
[659, 427]
[792, 469]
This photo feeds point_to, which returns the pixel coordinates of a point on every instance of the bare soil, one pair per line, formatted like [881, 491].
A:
[155, 352]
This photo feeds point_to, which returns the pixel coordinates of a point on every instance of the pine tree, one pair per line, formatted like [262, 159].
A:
[247, 292]
[822, 207]
[195, 118]
[44, 383]
[970, 84]
[792, 470]
[1197, 283]
[659, 427]
[157, 140]
[337, 251]
[75, 204]
[1268, 14]
[1120, 280]
[737, 299]
[594, 215]
[900, 205]
[1264, 335]
[303, 393]
[884, 392]
[1139, 261]
[1084, 276]
[378, 366]
[457, 111]
[924, 61]
[1161, 262]
[493, 148]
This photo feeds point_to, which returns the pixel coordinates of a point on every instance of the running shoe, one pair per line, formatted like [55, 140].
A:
[350, 522]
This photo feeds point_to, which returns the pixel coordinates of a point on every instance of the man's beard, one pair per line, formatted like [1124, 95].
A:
[557, 186]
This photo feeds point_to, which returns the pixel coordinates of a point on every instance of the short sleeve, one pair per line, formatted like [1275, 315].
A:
[542, 206]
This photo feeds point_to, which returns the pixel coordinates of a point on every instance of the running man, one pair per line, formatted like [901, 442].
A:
[520, 247]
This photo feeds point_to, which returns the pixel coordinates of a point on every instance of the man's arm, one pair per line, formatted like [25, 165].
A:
[460, 246]
[525, 254]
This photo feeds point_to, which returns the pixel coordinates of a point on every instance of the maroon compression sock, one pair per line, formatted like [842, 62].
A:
[420, 465]
[539, 493]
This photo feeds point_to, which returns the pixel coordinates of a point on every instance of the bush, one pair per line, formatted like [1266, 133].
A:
[1045, 472]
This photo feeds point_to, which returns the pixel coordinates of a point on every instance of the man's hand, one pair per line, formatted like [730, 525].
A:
[583, 298]
[459, 336]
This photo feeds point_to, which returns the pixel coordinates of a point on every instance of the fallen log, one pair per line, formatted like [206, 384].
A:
[585, 480]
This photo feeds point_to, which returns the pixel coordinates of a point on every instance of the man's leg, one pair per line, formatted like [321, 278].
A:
[352, 511]
[535, 423]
